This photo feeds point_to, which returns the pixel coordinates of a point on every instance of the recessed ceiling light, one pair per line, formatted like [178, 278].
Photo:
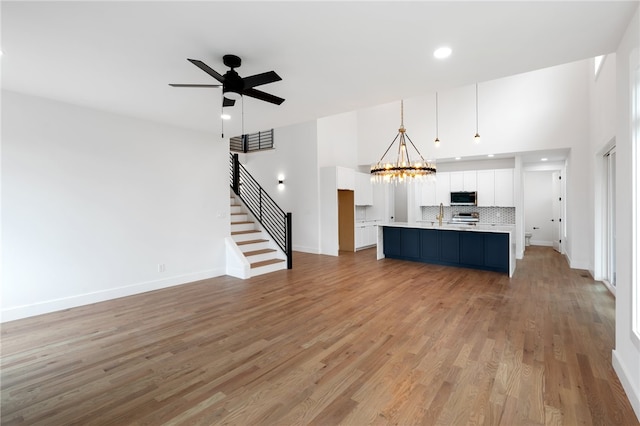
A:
[225, 116]
[544, 159]
[458, 158]
[490, 155]
[442, 52]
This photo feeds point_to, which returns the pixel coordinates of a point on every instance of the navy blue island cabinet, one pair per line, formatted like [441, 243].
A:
[469, 249]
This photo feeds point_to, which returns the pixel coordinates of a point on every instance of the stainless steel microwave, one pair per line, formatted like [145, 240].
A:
[464, 198]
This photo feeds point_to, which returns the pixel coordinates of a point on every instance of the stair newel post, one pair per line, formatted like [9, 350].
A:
[288, 242]
[236, 174]
[245, 143]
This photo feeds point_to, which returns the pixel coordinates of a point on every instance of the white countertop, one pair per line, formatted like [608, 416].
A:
[481, 227]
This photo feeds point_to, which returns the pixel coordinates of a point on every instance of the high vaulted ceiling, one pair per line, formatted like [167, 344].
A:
[333, 57]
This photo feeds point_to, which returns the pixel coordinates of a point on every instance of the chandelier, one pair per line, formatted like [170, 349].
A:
[403, 169]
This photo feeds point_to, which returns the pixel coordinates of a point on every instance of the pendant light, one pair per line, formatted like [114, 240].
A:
[476, 138]
[403, 169]
[437, 141]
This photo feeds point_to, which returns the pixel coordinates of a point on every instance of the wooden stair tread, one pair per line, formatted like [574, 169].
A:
[251, 242]
[243, 222]
[261, 251]
[266, 262]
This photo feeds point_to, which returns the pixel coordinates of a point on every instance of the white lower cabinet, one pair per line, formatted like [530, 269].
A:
[360, 232]
[372, 235]
[366, 235]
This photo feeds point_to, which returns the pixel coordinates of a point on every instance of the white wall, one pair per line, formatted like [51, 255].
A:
[328, 229]
[626, 355]
[602, 92]
[295, 157]
[92, 202]
[337, 140]
[544, 109]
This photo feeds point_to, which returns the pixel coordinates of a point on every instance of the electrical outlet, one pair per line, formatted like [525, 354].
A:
[161, 267]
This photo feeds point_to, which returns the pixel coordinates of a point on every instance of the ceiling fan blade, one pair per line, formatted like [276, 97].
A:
[195, 85]
[260, 79]
[206, 68]
[263, 96]
[226, 102]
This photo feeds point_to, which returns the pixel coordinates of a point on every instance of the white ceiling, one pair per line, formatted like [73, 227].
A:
[333, 57]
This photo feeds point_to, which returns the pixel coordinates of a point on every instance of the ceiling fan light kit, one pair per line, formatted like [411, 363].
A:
[234, 86]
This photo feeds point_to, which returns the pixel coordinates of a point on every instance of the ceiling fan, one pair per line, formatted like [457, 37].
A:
[234, 86]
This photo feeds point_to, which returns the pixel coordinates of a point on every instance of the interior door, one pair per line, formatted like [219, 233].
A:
[556, 220]
[346, 220]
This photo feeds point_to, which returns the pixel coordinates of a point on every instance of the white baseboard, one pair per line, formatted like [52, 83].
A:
[304, 249]
[608, 285]
[542, 243]
[45, 307]
[632, 392]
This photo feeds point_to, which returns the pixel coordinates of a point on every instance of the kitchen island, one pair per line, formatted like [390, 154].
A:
[486, 247]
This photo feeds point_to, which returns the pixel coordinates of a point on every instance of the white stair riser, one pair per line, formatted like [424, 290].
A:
[247, 237]
[242, 227]
[236, 208]
[260, 257]
[253, 246]
[268, 268]
[243, 217]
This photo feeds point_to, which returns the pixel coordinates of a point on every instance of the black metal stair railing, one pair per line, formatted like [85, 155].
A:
[275, 221]
[252, 142]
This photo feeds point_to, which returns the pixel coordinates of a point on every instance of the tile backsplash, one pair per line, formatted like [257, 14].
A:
[498, 215]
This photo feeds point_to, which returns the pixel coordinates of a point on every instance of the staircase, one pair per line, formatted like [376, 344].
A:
[262, 254]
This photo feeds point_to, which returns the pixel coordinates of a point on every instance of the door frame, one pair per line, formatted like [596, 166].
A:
[559, 167]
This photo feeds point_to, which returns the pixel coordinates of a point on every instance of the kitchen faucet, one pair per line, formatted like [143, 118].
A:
[441, 215]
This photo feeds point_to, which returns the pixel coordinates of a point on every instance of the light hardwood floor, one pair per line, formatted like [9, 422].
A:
[337, 340]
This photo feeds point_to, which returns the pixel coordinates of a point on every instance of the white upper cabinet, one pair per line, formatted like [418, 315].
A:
[364, 190]
[504, 188]
[443, 188]
[463, 181]
[346, 178]
[495, 187]
[469, 182]
[428, 193]
[486, 188]
[456, 181]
